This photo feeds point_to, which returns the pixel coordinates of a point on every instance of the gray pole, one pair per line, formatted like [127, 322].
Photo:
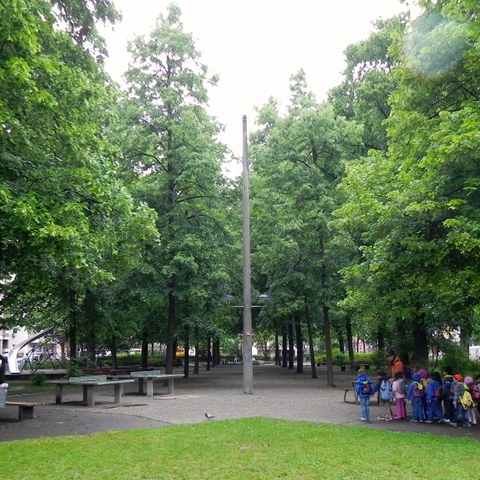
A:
[247, 291]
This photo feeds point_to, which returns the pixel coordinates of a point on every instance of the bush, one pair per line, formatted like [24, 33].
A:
[379, 359]
[457, 358]
[38, 379]
[74, 369]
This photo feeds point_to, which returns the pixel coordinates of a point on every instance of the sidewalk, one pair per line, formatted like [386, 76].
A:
[278, 393]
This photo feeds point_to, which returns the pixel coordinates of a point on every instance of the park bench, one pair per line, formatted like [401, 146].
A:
[25, 409]
[150, 376]
[89, 383]
[354, 390]
[97, 371]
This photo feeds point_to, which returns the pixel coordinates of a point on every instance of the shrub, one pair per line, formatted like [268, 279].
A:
[456, 357]
[38, 379]
[379, 359]
[74, 369]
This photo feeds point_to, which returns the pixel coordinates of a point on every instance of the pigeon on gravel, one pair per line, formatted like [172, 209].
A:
[209, 416]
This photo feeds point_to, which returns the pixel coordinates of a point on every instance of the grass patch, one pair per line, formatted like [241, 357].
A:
[255, 448]
[23, 387]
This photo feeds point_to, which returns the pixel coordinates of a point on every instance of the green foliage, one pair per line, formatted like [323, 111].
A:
[379, 359]
[457, 358]
[412, 212]
[38, 379]
[173, 164]
[74, 368]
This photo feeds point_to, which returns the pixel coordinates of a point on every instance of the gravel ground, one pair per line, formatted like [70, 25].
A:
[278, 393]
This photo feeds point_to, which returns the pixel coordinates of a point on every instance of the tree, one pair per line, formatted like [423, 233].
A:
[410, 207]
[64, 213]
[178, 165]
[297, 163]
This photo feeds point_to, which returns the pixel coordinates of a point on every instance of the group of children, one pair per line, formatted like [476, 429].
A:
[451, 399]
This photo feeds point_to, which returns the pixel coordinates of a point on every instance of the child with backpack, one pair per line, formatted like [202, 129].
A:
[473, 389]
[460, 401]
[448, 409]
[384, 397]
[434, 399]
[416, 394]
[477, 379]
[365, 389]
[425, 379]
[399, 390]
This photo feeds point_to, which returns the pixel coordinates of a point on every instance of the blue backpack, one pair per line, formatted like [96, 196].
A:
[386, 390]
[448, 387]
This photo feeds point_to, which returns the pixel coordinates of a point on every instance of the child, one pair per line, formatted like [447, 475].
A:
[477, 379]
[365, 389]
[425, 379]
[399, 390]
[448, 410]
[461, 412]
[474, 393]
[434, 398]
[416, 393]
[384, 389]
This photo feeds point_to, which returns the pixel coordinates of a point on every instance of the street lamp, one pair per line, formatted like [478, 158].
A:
[247, 287]
[247, 335]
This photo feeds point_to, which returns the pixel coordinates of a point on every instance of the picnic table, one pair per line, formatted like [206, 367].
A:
[150, 376]
[89, 383]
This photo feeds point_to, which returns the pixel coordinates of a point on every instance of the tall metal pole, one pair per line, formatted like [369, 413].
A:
[247, 290]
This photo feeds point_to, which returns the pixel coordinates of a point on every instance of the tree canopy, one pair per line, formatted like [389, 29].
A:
[117, 225]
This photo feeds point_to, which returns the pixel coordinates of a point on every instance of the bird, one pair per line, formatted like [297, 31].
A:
[209, 416]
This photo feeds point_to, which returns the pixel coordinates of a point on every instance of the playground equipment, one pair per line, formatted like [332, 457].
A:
[36, 357]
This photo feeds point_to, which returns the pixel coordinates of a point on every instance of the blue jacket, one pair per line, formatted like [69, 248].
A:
[433, 384]
[359, 386]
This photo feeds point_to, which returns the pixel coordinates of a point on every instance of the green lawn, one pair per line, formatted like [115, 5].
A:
[250, 449]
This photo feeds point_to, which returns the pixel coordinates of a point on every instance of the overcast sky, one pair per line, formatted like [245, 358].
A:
[256, 45]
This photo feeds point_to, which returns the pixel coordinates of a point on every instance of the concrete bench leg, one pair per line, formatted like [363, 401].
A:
[25, 412]
[170, 385]
[58, 394]
[118, 391]
[149, 387]
[88, 397]
[140, 386]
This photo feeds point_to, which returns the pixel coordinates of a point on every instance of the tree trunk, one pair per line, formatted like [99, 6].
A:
[381, 338]
[348, 328]
[72, 335]
[171, 327]
[144, 357]
[186, 352]
[341, 343]
[209, 352]
[291, 347]
[114, 351]
[216, 352]
[310, 342]
[196, 367]
[420, 340]
[91, 321]
[299, 337]
[277, 348]
[328, 345]
[284, 346]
